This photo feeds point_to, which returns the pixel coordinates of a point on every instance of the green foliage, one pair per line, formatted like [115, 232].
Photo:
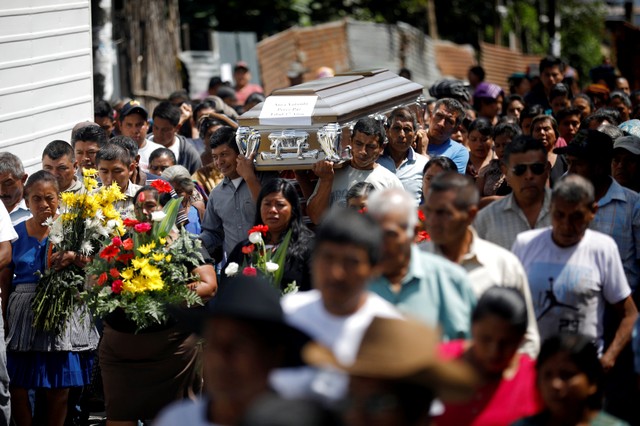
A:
[582, 32]
[55, 299]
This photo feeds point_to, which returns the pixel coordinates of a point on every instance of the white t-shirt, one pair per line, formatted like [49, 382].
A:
[7, 233]
[145, 152]
[347, 176]
[570, 285]
[342, 334]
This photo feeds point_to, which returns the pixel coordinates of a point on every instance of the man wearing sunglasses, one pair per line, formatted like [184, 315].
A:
[527, 170]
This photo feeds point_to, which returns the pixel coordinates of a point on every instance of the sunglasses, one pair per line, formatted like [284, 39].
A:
[536, 168]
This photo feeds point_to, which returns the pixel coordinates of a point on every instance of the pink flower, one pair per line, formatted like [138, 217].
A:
[116, 286]
[249, 271]
[116, 241]
[142, 227]
[127, 244]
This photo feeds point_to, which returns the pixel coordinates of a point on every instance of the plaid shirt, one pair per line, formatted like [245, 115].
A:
[619, 217]
[501, 221]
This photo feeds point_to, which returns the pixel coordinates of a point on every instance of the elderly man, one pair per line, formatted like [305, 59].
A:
[527, 207]
[367, 141]
[447, 116]
[449, 210]
[574, 271]
[337, 312]
[420, 284]
[399, 156]
[12, 180]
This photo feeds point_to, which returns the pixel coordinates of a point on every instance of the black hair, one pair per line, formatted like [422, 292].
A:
[255, 98]
[91, 133]
[57, 149]
[511, 98]
[224, 136]
[346, 226]
[445, 163]
[567, 112]
[510, 129]
[467, 194]
[127, 143]
[551, 61]
[549, 118]
[481, 125]
[478, 71]
[531, 111]
[404, 114]
[215, 81]
[559, 89]
[360, 189]
[505, 302]
[370, 127]
[405, 72]
[599, 116]
[453, 106]
[40, 176]
[586, 97]
[622, 96]
[162, 152]
[583, 353]
[522, 144]
[113, 152]
[300, 234]
[167, 111]
[103, 109]
[206, 104]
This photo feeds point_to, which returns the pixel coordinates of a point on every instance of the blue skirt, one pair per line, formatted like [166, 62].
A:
[49, 370]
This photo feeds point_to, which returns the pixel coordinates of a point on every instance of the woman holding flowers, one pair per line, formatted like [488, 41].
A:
[279, 221]
[38, 359]
[147, 360]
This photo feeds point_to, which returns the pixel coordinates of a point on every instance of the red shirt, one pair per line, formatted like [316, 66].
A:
[493, 404]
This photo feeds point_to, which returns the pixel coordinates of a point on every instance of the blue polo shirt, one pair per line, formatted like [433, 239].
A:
[453, 150]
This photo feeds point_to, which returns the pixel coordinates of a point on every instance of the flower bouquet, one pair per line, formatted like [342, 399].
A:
[87, 219]
[146, 271]
[269, 262]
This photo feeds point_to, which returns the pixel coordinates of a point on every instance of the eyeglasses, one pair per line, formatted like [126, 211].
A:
[536, 168]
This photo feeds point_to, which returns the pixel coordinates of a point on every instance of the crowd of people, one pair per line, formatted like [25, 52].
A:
[475, 262]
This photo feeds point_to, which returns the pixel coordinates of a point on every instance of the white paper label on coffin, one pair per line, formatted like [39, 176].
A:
[287, 110]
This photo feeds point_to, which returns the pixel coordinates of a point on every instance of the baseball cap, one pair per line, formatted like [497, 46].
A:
[590, 144]
[630, 143]
[241, 65]
[133, 107]
[488, 91]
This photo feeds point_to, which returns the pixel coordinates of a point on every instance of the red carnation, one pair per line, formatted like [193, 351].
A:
[259, 228]
[114, 272]
[422, 236]
[249, 271]
[130, 222]
[142, 227]
[161, 185]
[116, 286]
[125, 257]
[248, 249]
[116, 241]
[421, 215]
[102, 278]
[127, 244]
[109, 252]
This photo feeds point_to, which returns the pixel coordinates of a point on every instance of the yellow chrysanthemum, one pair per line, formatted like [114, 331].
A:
[153, 277]
[168, 258]
[162, 241]
[90, 183]
[139, 262]
[127, 274]
[110, 212]
[89, 172]
[68, 217]
[146, 248]
[158, 257]
[69, 199]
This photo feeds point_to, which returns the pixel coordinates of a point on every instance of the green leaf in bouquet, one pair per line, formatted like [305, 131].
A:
[171, 210]
[279, 257]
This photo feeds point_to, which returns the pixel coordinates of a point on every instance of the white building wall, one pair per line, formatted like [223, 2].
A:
[46, 74]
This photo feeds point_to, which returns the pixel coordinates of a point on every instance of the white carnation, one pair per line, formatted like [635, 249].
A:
[86, 248]
[231, 269]
[55, 239]
[272, 266]
[255, 237]
[157, 216]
